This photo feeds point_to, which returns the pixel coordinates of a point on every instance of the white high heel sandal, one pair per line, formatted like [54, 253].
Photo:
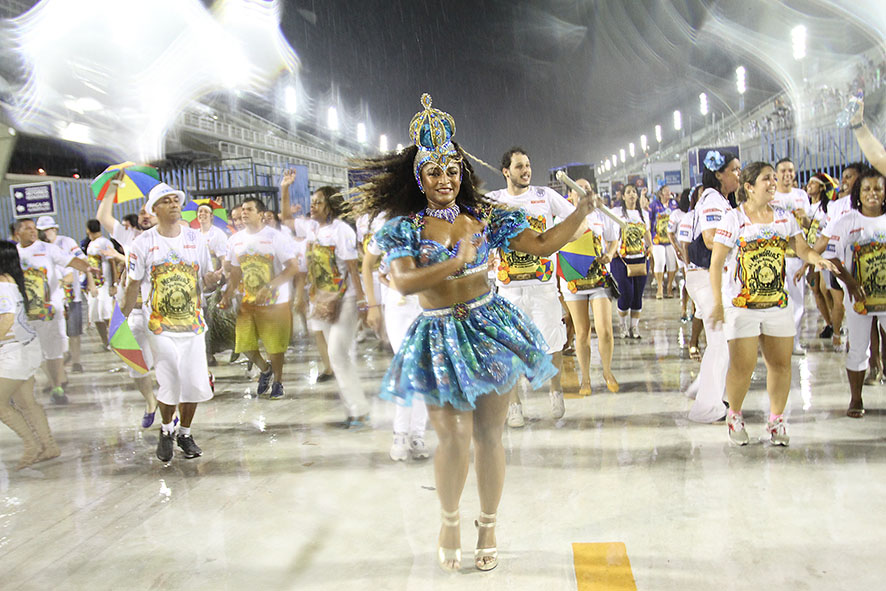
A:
[481, 553]
[449, 555]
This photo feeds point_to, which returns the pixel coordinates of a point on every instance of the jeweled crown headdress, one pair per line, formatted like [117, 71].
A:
[432, 131]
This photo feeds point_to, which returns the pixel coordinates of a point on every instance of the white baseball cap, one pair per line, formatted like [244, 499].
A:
[44, 222]
[162, 190]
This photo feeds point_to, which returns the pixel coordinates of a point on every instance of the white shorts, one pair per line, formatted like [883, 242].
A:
[180, 367]
[772, 322]
[542, 304]
[101, 307]
[400, 312]
[586, 295]
[663, 257]
[18, 361]
[139, 327]
[53, 336]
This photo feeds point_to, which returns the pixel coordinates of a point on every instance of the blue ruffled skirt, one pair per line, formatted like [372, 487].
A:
[456, 358]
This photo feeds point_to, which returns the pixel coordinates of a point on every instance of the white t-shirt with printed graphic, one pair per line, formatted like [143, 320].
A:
[859, 242]
[105, 277]
[217, 241]
[171, 271]
[797, 199]
[70, 246]
[44, 265]
[633, 236]
[709, 211]
[544, 208]
[755, 266]
[11, 302]
[335, 241]
[261, 257]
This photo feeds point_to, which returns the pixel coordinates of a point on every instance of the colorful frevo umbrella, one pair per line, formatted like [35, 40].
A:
[123, 343]
[577, 257]
[219, 213]
[134, 181]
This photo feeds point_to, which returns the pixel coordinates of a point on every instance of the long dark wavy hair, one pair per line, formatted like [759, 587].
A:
[392, 188]
[864, 173]
[11, 265]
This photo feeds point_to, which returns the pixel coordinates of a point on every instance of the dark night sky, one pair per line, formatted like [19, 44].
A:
[571, 81]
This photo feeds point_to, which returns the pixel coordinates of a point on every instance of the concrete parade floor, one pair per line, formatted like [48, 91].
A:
[622, 493]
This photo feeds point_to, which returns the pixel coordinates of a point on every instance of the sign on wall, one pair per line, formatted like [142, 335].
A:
[32, 199]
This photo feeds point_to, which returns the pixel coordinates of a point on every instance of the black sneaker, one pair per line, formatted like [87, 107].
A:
[264, 381]
[187, 445]
[827, 333]
[276, 391]
[164, 447]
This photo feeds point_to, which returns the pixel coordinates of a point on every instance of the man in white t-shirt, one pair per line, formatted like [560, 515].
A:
[43, 265]
[73, 290]
[530, 282]
[137, 321]
[170, 266]
[101, 306]
[263, 265]
[796, 201]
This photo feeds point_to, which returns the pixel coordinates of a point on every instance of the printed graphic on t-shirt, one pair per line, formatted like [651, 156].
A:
[869, 265]
[661, 229]
[323, 270]
[258, 270]
[760, 271]
[521, 266]
[175, 300]
[632, 239]
[37, 288]
[812, 232]
[97, 275]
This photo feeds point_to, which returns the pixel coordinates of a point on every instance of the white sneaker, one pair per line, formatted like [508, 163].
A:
[515, 415]
[778, 433]
[558, 407]
[399, 449]
[737, 433]
[419, 449]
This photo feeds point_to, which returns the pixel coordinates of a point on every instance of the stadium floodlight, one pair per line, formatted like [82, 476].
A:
[608, 164]
[643, 143]
[658, 133]
[290, 99]
[399, 147]
[621, 154]
[703, 103]
[332, 119]
[798, 41]
[614, 160]
[678, 121]
[741, 79]
[631, 150]
[383, 143]
[361, 132]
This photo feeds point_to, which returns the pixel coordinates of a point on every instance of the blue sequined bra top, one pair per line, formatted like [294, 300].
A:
[401, 237]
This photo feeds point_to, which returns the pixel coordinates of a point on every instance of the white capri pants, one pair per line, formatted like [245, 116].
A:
[711, 381]
[542, 304]
[796, 291]
[139, 327]
[339, 337]
[181, 369]
[664, 257]
[53, 336]
[100, 307]
[400, 312]
[858, 327]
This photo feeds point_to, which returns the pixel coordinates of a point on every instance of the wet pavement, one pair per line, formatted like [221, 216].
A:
[285, 499]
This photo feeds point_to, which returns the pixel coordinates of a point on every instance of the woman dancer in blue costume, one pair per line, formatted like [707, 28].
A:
[468, 347]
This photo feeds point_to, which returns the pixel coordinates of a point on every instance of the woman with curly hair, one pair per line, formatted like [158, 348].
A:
[468, 346]
[20, 356]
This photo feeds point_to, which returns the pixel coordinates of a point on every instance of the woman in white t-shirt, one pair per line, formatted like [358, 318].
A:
[335, 293]
[753, 240]
[629, 267]
[858, 240]
[820, 188]
[20, 356]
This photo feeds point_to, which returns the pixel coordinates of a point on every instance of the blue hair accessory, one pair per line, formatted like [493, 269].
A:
[714, 161]
[661, 184]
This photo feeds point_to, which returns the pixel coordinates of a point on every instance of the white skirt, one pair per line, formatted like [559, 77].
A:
[18, 361]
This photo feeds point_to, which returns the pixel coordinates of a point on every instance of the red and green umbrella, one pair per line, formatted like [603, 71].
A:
[219, 213]
[125, 181]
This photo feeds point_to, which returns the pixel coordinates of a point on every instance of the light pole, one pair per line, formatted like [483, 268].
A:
[741, 85]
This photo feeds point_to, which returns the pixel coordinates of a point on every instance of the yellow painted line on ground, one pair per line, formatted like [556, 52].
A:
[603, 567]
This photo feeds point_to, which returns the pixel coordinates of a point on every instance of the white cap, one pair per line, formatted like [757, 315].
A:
[162, 190]
[44, 222]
